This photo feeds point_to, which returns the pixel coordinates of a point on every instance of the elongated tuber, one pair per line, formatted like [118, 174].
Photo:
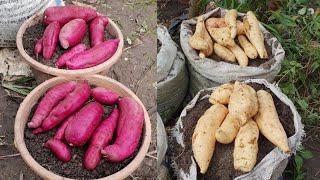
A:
[50, 40]
[222, 36]
[201, 39]
[104, 96]
[269, 123]
[231, 21]
[69, 54]
[246, 147]
[38, 47]
[228, 130]
[72, 33]
[248, 48]
[221, 94]
[203, 138]
[254, 34]
[240, 55]
[97, 27]
[224, 53]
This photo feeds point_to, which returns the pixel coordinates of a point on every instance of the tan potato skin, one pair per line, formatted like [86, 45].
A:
[222, 36]
[231, 21]
[222, 94]
[203, 139]
[220, 22]
[248, 48]
[240, 55]
[201, 39]
[224, 53]
[246, 147]
[228, 130]
[243, 102]
[254, 34]
[269, 123]
[215, 22]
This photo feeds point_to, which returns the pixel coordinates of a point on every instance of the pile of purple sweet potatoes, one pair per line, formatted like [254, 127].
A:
[68, 25]
[78, 120]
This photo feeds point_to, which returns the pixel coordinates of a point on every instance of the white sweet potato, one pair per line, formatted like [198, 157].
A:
[222, 36]
[228, 130]
[243, 103]
[240, 55]
[269, 123]
[222, 94]
[248, 48]
[231, 21]
[246, 147]
[224, 53]
[203, 138]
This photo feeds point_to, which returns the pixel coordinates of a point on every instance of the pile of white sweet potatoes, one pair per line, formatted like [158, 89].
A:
[68, 25]
[238, 114]
[67, 107]
[218, 35]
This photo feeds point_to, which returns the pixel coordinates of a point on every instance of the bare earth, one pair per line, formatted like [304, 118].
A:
[136, 70]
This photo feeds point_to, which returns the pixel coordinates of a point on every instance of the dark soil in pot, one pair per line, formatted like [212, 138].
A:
[221, 165]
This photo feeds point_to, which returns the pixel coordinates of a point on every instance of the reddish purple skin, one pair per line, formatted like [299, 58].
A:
[128, 132]
[68, 106]
[50, 40]
[96, 30]
[61, 130]
[52, 97]
[100, 138]
[94, 56]
[72, 33]
[61, 62]
[64, 14]
[59, 149]
[83, 124]
[105, 96]
[38, 47]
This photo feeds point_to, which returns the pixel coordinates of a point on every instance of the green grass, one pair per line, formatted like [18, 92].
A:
[298, 30]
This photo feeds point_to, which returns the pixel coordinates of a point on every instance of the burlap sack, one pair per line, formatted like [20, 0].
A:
[270, 166]
[13, 13]
[207, 72]
[172, 75]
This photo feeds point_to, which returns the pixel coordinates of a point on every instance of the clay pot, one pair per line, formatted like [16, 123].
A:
[96, 80]
[43, 72]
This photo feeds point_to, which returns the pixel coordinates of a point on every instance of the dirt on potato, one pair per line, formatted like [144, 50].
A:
[73, 168]
[221, 165]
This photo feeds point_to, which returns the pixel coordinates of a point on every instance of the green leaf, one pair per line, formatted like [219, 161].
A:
[299, 162]
[302, 1]
[306, 154]
[303, 104]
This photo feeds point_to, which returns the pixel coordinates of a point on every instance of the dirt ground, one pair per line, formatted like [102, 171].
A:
[136, 70]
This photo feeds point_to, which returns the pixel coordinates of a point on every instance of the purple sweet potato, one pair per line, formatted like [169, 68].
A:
[83, 124]
[104, 96]
[69, 54]
[93, 56]
[59, 149]
[96, 29]
[52, 97]
[72, 33]
[50, 40]
[38, 47]
[64, 14]
[129, 131]
[100, 138]
[68, 106]
[59, 135]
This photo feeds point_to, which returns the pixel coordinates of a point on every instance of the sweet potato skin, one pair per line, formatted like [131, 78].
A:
[38, 47]
[83, 124]
[100, 138]
[248, 48]
[221, 94]
[50, 40]
[203, 137]
[96, 29]
[231, 21]
[52, 97]
[246, 147]
[68, 106]
[228, 130]
[69, 54]
[104, 96]
[129, 131]
[59, 149]
[64, 14]
[269, 123]
[240, 55]
[72, 33]
[94, 56]
[224, 53]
